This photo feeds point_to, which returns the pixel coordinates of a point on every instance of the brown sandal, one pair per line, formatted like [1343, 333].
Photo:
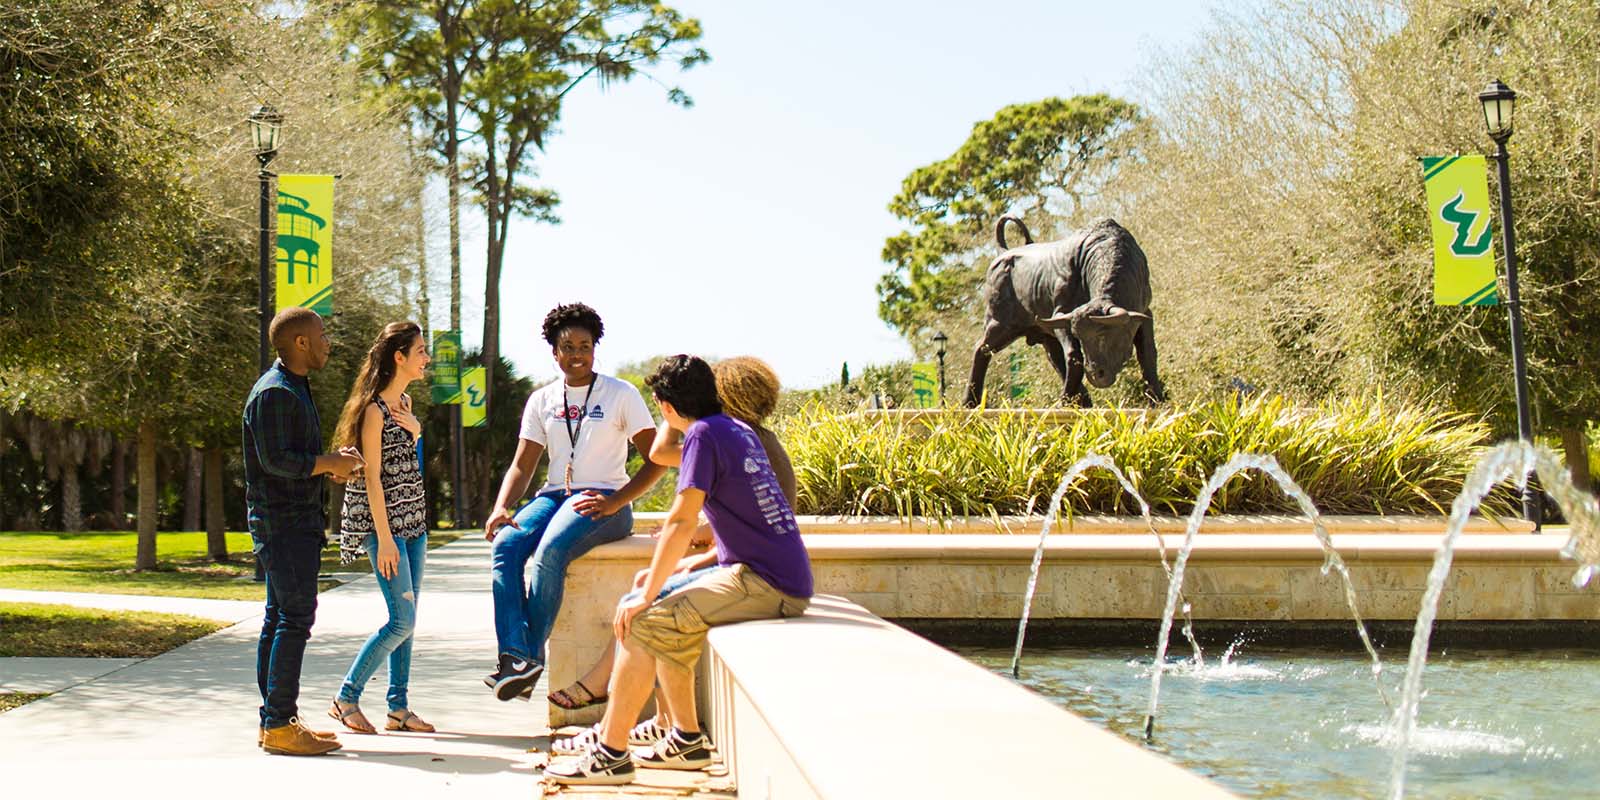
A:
[345, 715]
[567, 698]
[404, 720]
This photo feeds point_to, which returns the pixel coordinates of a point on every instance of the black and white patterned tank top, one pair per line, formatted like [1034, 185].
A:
[402, 493]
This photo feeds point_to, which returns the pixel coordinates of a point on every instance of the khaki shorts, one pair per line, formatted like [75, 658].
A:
[674, 628]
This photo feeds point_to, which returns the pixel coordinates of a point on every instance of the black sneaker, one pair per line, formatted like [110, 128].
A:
[676, 750]
[514, 676]
[593, 766]
[494, 677]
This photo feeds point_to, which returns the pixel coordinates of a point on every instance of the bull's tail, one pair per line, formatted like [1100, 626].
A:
[1000, 230]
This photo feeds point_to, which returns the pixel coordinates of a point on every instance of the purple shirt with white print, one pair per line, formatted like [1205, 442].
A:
[750, 519]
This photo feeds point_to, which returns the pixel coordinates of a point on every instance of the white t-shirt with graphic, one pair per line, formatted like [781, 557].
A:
[614, 413]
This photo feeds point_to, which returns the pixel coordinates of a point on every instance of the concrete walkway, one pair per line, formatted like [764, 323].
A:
[184, 724]
[50, 675]
[223, 610]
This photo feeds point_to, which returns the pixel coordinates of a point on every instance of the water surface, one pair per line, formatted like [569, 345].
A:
[1309, 724]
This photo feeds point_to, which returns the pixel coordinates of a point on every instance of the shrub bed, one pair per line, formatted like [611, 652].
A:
[1353, 457]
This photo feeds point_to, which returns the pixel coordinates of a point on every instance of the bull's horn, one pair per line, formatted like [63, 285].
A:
[1060, 320]
[1121, 315]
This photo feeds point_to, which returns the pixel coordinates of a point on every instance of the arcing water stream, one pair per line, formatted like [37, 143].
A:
[1239, 463]
[1512, 459]
[1083, 465]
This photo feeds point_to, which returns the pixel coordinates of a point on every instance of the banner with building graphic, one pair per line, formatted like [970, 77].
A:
[925, 385]
[305, 242]
[446, 367]
[1019, 388]
[474, 401]
[1463, 241]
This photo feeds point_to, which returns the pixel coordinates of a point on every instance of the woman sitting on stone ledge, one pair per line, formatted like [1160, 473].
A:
[748, 389]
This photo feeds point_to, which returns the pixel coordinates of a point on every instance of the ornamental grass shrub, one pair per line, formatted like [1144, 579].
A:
[1364, 456]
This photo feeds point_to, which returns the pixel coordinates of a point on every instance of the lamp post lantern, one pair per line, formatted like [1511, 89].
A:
[265, 124]
[940, 339]
[1499, 109]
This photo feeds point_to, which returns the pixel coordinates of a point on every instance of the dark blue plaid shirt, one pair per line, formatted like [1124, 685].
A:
[282, 439]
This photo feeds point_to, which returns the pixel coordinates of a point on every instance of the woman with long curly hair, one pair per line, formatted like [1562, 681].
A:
[385, 517]
[585, 421]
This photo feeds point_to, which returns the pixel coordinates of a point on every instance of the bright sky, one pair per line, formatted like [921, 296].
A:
[752, 223]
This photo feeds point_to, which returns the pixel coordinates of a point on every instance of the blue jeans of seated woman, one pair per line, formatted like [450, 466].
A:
[393, 640]
[674, 583]
[551, 533]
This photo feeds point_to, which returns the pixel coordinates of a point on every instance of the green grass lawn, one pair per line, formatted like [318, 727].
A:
[48, 631]
[10, 701]
[103, 562]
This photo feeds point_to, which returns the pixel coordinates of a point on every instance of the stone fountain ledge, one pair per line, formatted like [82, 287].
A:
[649, 522]
[1264, 577]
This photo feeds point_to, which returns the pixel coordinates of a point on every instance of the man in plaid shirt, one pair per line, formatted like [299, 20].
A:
[287, 501]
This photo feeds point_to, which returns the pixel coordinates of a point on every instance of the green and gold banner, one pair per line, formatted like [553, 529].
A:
[925, 385]
[446, 367]
[305, 242]
[474, 403]
[1463, 242]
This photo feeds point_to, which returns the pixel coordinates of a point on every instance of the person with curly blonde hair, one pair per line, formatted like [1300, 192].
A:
[749, 391]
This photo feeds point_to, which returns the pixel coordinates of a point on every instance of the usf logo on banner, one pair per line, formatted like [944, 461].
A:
[1463, 252]
[474, 405]
[305, 242]
[446, 367]
[924, 385]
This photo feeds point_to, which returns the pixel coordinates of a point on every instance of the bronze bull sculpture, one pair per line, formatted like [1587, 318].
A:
[1085, 299]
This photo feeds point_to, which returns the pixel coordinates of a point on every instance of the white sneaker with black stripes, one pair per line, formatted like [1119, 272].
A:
[577, 744]
[594, 766]
[676, 751]
[646, 733]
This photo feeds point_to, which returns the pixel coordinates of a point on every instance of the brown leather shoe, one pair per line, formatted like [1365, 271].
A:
[295, 740]
[261, 736]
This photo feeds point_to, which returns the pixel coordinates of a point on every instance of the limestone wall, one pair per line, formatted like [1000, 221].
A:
[1238, 576]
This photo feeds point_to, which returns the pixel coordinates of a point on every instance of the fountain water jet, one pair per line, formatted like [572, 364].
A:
[1269, 465]
[1516, 458]
[1083, 465]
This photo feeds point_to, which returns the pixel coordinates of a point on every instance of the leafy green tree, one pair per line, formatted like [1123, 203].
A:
[139, 318]
[498, 71]
[1549, 51]
[534, 55]
[1038, 160]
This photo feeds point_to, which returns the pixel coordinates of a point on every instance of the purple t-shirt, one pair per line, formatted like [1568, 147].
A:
[750, 519]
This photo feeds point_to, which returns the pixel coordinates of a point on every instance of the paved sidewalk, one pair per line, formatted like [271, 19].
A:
[184, 724]
[50, 675]
[224, 610]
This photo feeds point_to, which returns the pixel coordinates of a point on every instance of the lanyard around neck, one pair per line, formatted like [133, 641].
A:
[583, 413]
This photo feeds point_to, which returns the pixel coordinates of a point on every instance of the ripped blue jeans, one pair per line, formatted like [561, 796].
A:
[394, 638]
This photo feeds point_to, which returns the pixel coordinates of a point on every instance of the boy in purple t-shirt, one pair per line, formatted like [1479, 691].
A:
[763, 572]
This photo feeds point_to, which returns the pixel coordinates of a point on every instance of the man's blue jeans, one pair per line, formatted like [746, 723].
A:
[291, 561]
[554, 535]
[393, 640]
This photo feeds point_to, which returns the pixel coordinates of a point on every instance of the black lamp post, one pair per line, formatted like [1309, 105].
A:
[1499, 106]
[940, 339]
[264, 126]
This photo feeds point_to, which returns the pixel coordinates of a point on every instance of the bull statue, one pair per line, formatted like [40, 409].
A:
[1085, 299]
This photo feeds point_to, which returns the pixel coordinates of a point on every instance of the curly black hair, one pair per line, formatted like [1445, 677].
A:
[573, 315]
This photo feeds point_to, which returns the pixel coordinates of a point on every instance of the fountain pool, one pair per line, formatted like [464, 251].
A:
[1306, 723]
